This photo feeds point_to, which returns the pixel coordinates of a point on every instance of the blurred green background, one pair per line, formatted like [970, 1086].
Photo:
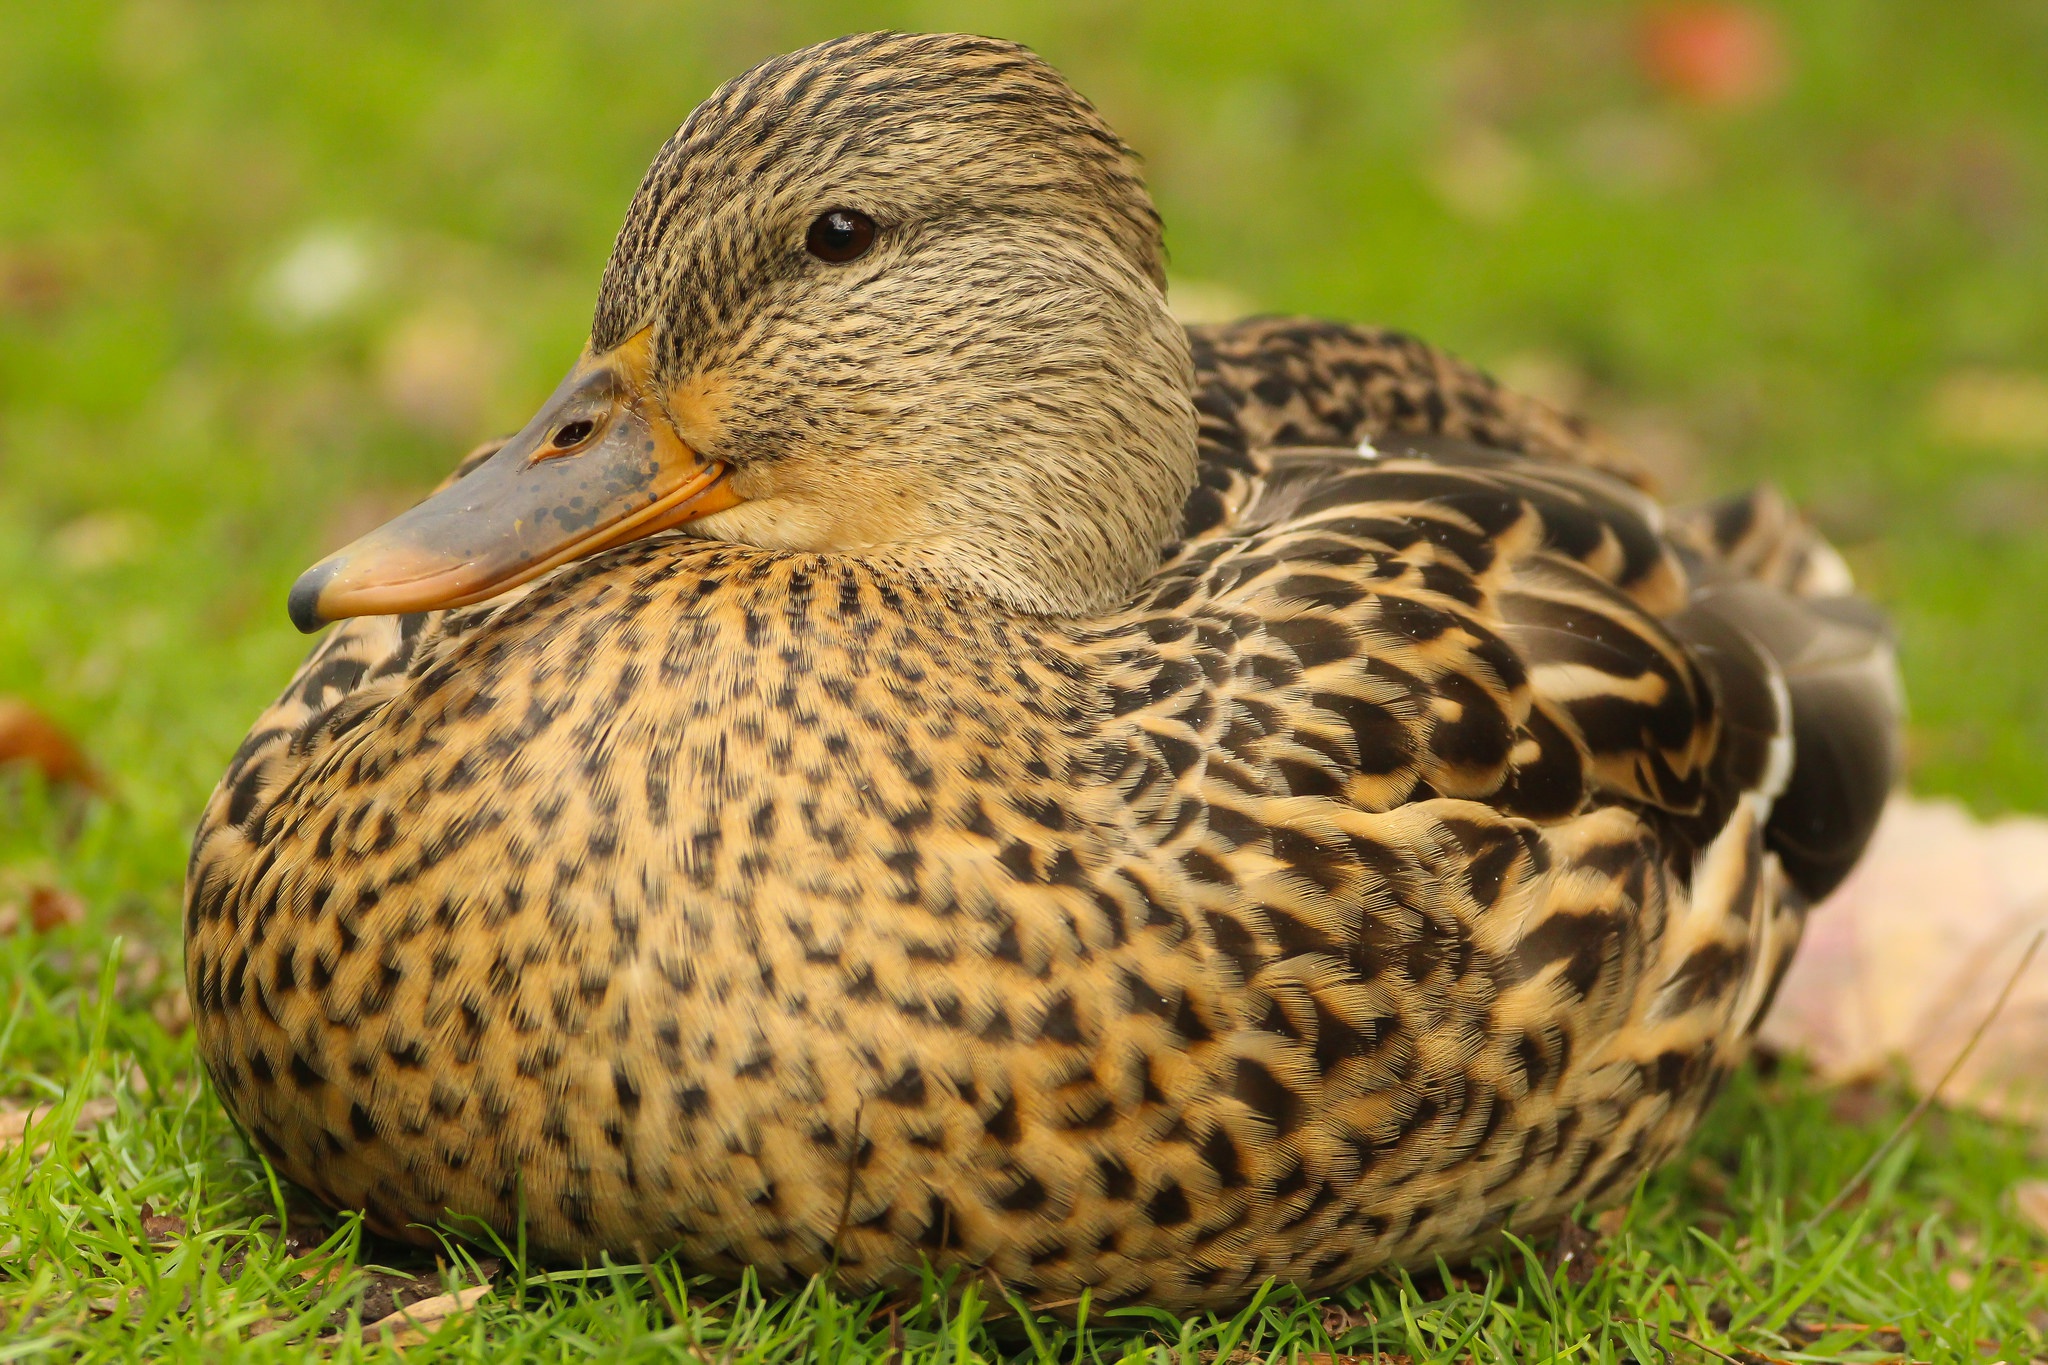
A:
[267, 269]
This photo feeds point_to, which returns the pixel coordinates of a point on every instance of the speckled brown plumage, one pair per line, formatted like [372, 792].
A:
[1405, 855]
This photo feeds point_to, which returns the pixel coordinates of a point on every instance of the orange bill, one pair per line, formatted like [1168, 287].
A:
[599, 465]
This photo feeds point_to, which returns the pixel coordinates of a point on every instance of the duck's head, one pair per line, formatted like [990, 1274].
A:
[894, 296]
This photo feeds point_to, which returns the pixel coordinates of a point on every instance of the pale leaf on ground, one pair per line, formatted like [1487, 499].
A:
[414, 1322]
[15, 1124]
[1901, 964]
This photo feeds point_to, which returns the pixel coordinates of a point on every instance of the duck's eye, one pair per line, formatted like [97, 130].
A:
[840, 235]
[572, 433]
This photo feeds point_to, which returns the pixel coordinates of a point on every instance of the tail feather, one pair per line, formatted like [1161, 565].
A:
[1765, 573]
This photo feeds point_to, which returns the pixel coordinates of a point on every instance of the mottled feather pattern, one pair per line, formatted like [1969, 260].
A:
[1131, 811]
[1379, 876]
[851, 103]
[1013, 304]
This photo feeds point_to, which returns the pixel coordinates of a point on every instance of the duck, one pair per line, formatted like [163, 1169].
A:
[914, 761]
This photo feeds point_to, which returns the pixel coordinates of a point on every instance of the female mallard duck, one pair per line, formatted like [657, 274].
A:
[992, 777]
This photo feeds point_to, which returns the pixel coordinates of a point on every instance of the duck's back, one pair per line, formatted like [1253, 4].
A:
[1501, 796]
[1415, 855]
[1507, 511]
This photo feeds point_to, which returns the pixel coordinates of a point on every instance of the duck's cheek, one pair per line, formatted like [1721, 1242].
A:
[697, 408]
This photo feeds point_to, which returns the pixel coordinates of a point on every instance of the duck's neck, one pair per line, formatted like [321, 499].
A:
[1067, 512]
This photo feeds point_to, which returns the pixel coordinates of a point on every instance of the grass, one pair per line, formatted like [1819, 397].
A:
[235, 237]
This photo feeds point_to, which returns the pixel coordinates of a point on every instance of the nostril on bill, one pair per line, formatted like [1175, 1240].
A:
[573, 433]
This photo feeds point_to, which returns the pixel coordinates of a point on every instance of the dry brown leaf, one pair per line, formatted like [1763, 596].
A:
[15, 1124]
[389, 1291]
[1338, 1319]
[50, 907]
[415, 1322]
[34, 282]
[2030, 1201]
[1905, 959]
[1576, 1251]
[161, 1229]
[28, 736]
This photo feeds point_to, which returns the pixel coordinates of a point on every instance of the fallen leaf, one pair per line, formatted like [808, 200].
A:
[161, 1229]
[1576, 1252]
[1338, 1319]
[28, 736]
[1714, 53]
[32, 282]
[414, 1322]
[50, 907]
[390, 1291]
[15, 1124]
[1904, 960]
[2030, 1200]
[389, 1296]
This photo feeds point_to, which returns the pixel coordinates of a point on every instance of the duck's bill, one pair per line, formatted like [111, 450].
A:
[598, 466]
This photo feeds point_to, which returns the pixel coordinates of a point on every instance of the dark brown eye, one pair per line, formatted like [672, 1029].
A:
[572, 433]
[840, 235]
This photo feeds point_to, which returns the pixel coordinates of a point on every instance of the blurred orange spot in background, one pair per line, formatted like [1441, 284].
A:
[1725, 56]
